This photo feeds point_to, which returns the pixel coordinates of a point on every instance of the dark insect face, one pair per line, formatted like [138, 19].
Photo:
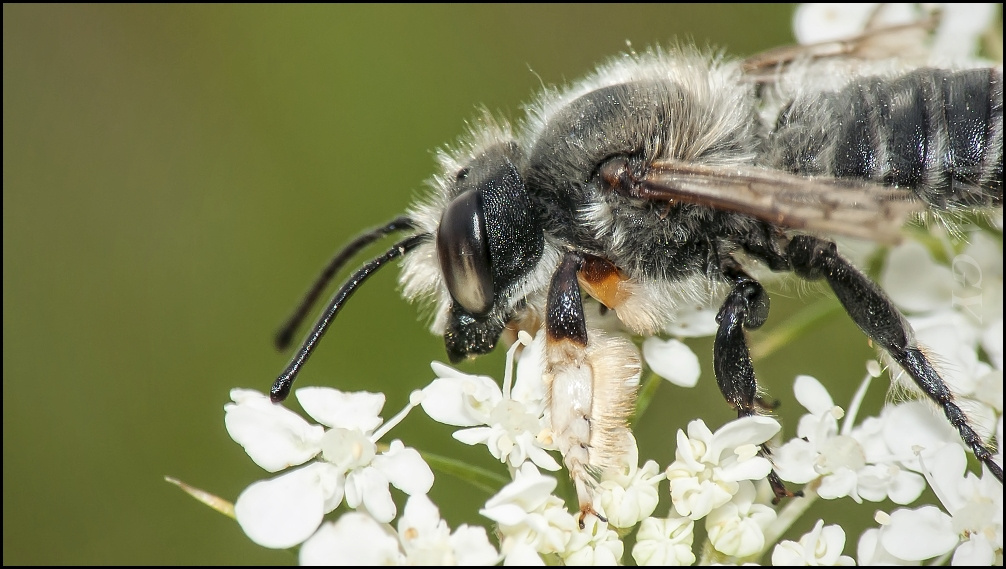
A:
[488, 238]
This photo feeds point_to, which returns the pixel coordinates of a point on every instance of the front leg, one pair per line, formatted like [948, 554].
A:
[746, 307]
[591, 381]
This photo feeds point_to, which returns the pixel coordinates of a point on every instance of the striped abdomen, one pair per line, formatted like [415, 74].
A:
[935, 131]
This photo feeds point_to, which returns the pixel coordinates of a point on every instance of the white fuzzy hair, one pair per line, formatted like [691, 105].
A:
[652, 302]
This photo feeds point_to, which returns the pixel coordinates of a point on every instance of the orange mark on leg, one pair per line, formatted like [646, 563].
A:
[602, 280]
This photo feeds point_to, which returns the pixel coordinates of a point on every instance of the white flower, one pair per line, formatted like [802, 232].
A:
[915, 281]
[672, 360]
[426, 539]
[736, 528]
[961, 27]
[665, 541]
[272, 435]
[853, 461]
[921, 533]
[798, 460]
[595, 544]
[422, 539]
[819, 21]
[957, 36]
[978, 275]
[821, 546]
[971, 527]
[355, 540]
[992, 342]
[693, 321]
[629, 494]
[869, 551]
[708, 466]
[515, 428]
[530, 519]
[913, 428]
[284, 511]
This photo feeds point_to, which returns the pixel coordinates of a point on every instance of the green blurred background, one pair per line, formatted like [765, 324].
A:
[175, 176]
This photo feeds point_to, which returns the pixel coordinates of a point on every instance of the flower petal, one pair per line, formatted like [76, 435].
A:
[356, 410]
[914, 425]
[421, 516]
[812, 395]
[992, 341]
[754, 468]
[405, 469]
[794, 461]
[820, 21]
[367, 488]
[914, 280]
[522, 554]
[473, 436]
[919, 534]
[839, 484]
[471, 546]
[672, 360]
[693, 322]
[542, 459]
[528, 384]
[752, 430]
[272, 435]
[354, 540]
[906, 487]
[285, 510]
[529, 490]
[946, 468]
[975, 552]
[461, 401]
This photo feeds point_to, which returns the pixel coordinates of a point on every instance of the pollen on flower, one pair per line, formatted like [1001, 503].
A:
[545, 437]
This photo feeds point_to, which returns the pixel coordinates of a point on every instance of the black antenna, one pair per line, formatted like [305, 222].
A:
[281, 388]
[285, 334]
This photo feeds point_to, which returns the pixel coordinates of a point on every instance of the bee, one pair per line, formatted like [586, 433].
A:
[666, 175]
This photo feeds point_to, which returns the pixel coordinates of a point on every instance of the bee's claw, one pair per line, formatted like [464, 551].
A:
[589, 510]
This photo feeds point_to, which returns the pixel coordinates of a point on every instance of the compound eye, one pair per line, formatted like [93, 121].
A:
[464, 253]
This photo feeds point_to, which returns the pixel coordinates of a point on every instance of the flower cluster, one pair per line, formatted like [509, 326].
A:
[716, 478]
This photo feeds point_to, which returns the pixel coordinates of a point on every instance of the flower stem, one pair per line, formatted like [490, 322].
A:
[217, 503]
[478, 477]
[789, 515]
[794, 327]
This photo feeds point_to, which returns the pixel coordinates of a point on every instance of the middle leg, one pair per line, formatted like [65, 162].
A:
[745, 308]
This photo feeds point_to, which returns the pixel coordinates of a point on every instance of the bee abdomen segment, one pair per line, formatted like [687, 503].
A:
[937, 132]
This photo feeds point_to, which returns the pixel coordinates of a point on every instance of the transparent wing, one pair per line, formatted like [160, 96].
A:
[846, 207]
[907, 42]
